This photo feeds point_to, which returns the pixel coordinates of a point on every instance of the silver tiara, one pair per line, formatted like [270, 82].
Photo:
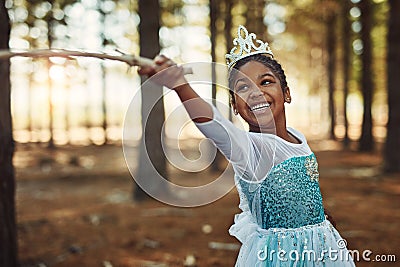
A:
[245, 46]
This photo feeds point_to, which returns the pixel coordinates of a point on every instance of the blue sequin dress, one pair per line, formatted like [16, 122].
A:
[282, 222]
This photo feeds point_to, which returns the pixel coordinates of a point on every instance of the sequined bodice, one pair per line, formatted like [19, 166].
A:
[290, 196]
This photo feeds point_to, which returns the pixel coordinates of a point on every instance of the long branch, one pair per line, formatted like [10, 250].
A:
[131, 60]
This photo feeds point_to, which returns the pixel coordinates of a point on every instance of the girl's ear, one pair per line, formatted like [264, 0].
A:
[233, 104]
[287, 96]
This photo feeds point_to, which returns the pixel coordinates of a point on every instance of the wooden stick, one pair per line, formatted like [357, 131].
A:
[131, 60]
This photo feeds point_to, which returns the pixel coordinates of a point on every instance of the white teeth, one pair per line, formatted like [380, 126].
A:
[260, 106]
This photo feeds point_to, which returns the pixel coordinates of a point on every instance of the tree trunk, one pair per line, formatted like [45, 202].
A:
[103, 73]
[50, 145]
[331, 47]
[87, 121]
[213, 37]
[50, 24]
[392, 151]
[254, 18]
[346, 67]
[8, 230]
[214, 12]
[152, 163]
[366, 142]
[228, 36]
[104, 101]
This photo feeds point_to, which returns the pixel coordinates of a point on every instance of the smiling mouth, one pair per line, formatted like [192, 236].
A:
[260, 106]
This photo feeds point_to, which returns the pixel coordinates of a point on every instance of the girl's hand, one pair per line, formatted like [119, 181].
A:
[165, 72]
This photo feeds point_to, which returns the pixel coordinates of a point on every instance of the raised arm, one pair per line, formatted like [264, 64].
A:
[233, 142]
[165, 72]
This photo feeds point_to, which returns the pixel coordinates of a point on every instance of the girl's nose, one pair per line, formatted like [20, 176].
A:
[255, 92]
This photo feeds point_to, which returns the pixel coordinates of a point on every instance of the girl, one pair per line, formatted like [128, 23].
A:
[282, 221]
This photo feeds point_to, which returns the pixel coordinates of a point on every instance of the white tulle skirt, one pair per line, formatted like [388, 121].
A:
[312, 245]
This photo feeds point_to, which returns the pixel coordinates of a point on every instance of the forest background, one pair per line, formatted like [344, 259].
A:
[341, 59]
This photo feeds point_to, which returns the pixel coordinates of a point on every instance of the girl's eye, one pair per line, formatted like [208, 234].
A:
[242, 88]
[266, 82]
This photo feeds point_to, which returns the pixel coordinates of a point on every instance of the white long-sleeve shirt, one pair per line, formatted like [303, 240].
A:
[255, 153]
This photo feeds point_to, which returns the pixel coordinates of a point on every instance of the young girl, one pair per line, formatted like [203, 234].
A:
[282, 221]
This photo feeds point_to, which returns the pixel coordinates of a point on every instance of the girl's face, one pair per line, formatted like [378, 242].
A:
[259, 98]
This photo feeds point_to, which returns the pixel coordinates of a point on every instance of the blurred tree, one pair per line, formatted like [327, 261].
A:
[314, 19]
[307, 38]
[392, 151]
[346, 31]
[254, 18]
[50, 37]
[214, 14]
[32, 22]
[366, 142]
[49, 19]
[171, 13]
[228, 4]
[8, 229]
[105, 41]
[52, 14]
[331, 67]
[152, 161]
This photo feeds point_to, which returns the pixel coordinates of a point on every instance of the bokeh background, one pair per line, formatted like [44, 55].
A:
[76, 203]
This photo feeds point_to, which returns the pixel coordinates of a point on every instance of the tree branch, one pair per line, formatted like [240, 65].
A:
[131, 60]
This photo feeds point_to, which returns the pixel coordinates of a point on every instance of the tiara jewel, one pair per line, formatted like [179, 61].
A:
[245, 46]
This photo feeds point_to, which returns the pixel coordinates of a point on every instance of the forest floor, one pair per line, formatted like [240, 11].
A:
[75, 208]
